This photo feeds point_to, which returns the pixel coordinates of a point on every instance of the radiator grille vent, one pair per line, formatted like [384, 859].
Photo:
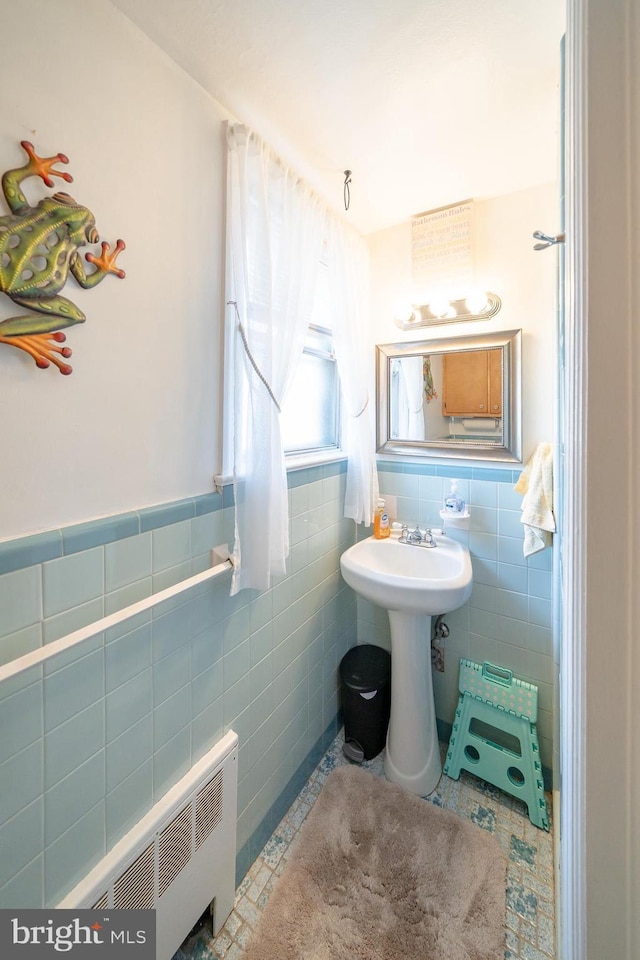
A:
[174, 848]
[208, 809]
[179, 858]
[135, 888]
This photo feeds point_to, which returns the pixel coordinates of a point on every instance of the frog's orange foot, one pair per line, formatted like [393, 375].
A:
[42, 347]
[106, 262]
[43, 166]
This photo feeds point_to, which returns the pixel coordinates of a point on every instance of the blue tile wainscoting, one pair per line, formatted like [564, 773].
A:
[508, 619]
[90, 740]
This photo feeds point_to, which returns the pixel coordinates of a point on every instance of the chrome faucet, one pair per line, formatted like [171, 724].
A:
[417, 537]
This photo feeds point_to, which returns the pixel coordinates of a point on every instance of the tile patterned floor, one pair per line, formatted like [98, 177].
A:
[530, 894]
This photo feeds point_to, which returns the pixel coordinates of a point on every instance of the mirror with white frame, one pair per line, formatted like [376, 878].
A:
[458, 397]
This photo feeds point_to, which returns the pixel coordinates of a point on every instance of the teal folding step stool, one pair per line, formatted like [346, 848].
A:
[495, 737]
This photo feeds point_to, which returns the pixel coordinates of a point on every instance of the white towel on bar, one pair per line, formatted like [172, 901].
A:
[536, 485]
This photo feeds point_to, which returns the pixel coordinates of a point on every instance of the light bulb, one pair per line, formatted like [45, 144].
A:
[440, 307]
[407, 313]
[477, 301]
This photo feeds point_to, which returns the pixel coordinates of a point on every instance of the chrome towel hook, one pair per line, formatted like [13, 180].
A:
[547, 241]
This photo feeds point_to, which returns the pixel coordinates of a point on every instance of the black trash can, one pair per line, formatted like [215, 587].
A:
[365, 687]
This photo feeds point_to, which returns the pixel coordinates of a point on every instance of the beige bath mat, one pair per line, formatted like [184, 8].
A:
[379, 874]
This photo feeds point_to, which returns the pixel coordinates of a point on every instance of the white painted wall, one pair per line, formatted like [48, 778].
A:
[506, 264]
[136, 423]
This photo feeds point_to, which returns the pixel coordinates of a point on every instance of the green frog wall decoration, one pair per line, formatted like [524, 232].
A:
[38, 248]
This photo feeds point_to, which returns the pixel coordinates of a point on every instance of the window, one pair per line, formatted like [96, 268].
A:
[310, 418]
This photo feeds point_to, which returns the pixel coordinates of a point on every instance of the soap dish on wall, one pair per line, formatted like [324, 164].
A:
[460, 520]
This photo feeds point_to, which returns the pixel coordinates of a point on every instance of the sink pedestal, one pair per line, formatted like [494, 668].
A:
[413, 753]
[413, 583]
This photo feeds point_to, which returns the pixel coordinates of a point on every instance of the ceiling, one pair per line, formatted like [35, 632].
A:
[428, 102]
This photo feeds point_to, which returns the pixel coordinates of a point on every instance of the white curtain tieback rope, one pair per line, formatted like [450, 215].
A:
[366, 404]
[250, 356]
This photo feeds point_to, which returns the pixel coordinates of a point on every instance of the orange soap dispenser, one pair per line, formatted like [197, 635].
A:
[381, 525]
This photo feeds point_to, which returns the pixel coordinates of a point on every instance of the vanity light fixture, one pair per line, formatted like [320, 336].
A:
[477, 306]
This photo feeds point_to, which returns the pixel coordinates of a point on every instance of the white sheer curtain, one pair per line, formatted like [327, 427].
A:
[275, 228]
[349, 278]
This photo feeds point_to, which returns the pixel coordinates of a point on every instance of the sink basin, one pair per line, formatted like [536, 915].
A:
[414, 583]
[401, 576]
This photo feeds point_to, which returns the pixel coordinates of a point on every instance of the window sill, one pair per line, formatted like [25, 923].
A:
[292, 464]
[314, 459]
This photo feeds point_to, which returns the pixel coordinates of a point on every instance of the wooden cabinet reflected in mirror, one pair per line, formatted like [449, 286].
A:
[472, 383]
[458, 397]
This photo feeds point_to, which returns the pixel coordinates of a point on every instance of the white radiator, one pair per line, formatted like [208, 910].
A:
[179, 858]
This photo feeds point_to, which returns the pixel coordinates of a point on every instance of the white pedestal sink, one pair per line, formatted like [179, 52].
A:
[414, 583]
